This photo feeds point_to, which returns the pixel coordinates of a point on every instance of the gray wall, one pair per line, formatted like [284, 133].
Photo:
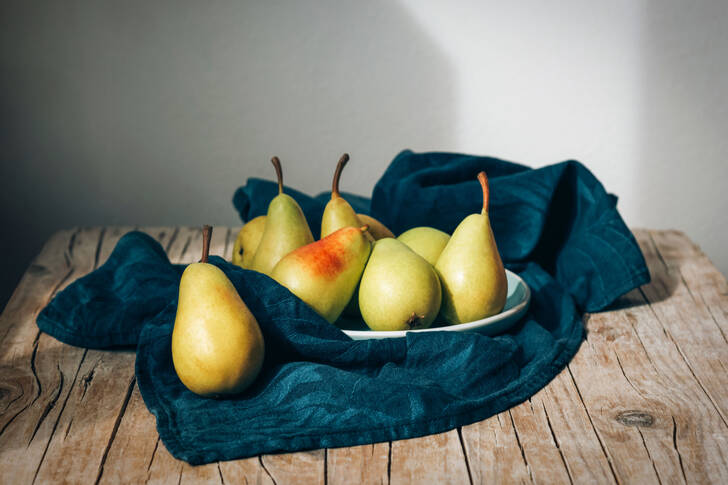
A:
[154, 112]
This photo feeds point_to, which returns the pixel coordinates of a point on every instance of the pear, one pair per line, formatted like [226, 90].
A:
[428, 242]
[399, 290]
[376, 228]
[247, 242]
[286, 229]
[473, 280]
[217, 345]
[338, 212]
[325, 273]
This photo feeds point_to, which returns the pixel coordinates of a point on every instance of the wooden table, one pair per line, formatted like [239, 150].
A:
[644, 401]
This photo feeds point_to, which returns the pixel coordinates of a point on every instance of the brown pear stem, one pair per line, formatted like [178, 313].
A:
[337, 174]
[279, 173]
[364, 228]
[206, 236]
[483, 179]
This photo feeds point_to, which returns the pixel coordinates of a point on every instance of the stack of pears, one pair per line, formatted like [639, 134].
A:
[217, 345]
[358, 267]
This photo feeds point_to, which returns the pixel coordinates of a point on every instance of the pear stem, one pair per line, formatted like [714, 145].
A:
[206, 236]
[483, 179]
[364, 228]
[279, 173]
[337, 175]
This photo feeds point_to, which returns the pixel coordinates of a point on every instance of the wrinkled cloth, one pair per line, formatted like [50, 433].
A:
[555, 226]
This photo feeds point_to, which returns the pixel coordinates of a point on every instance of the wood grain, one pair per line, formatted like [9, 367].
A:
[644, 400]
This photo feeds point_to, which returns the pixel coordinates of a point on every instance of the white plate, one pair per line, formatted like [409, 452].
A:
[519, 296]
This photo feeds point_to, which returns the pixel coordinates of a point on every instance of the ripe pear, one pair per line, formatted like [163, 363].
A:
[217, 345]
[338, 212]
[247, 242]
[376, 228]
[399, 290]
[473, 280]
[325, 273]
[286, 229]
[428, 242]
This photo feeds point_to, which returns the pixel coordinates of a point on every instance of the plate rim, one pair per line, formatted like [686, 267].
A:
[521, 307]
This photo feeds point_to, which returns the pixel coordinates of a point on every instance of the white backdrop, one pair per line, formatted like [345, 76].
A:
[133, 113]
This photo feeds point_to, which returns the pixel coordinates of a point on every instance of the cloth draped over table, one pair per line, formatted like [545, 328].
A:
[555, 226]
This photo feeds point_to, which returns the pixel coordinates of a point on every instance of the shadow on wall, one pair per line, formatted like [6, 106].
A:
[151, 114]
[685, 116]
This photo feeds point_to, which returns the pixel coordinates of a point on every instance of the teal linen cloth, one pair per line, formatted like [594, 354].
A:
[555, 226]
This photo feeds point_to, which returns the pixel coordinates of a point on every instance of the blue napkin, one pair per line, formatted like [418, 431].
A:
[555, 226]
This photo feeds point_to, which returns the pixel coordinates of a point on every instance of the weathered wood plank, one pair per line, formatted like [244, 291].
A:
[358, 464]
[40, 366]
[292, 468]
[494, 452]
[438, 458]
[137, 443]
[248, 471]
[91, 412]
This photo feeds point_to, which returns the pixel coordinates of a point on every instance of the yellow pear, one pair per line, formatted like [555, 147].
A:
[338, 212]
[217, 345]
[473, 280]
[286, 229]
[428, 242]
[247, 242]
[399, 290]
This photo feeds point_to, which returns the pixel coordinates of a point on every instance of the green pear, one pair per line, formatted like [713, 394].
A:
[399, 290]
[376, 228]
[286, 229]
[338, 212]
[473, 280]
[247, 242]
[325, 273]
[428, 242]
[217, 345]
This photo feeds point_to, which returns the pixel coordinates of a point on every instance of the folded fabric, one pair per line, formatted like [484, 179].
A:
[555, 226]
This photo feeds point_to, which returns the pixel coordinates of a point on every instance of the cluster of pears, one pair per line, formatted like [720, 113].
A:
[359, 268]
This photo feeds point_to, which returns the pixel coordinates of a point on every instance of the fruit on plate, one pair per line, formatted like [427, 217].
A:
[217, 345]
[376, 228]
[286, 228]
[399, 290]
[338, 212]
[247, 242]
[428, 242]
[325, 273]
[473, 280]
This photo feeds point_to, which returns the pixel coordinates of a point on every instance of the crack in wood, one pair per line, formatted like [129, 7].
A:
[629, 381]
[154, 452]
[260, 460]
[520, 447]
[222, 480]
[51, 404]
[171, 240]
[465, 454]
[556, 442]
[389, 464]
[591, 422]
[58, 419]
[677, 450]
[654, 466]
[115, 429]
[326, 466]
[87, 378]
[98, 247]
